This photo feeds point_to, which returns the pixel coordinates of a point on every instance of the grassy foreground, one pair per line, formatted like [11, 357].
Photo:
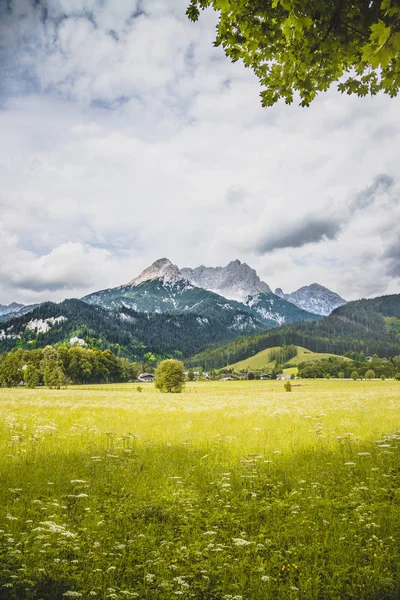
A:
[230, 491]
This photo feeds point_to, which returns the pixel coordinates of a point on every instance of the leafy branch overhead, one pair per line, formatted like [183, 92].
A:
[304, 46]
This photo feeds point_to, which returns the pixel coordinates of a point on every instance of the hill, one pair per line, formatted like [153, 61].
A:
[368, 326]
[265, 359]
[126, 332]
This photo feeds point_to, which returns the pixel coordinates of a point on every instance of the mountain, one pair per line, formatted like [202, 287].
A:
[126, 332]
[367, 326]
[236, 281]
[10, 308]
[314, 298]
[9, 311]
[164, 288]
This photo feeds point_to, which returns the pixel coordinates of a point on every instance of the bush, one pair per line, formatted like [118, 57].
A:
[341, 375]
[397, 377]
[170, 376]
[288, 386]
[370, 374]
[139, 388]
[354, 375]
[250, 376]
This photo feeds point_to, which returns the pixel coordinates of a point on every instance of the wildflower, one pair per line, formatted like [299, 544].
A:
[72, 594]
[241, 542]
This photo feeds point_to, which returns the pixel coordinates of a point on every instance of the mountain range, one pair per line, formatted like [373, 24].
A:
[166, 310]
[236, 288]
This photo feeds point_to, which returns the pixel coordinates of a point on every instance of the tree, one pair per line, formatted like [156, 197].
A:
[191, 375]
[31, 376]
[53, 376]
[306, 45]
[370, 374]
[250, 376]
[354, 375]
[170, 376]
[397, 376]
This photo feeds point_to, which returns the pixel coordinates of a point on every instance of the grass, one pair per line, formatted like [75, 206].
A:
[231, 490]
[262, 360]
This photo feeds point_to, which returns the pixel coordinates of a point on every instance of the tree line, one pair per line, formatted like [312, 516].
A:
[55, 367]
[358, 368]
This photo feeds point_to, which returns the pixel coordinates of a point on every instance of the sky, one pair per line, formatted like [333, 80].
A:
[126, 136]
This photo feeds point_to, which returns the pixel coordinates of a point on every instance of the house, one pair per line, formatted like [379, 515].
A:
[268, 376]
[146, 377]
[284, 376]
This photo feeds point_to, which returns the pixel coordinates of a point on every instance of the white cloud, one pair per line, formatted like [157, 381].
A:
[133, 138]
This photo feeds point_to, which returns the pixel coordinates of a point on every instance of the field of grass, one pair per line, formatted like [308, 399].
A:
[262, 360]
[229, 491]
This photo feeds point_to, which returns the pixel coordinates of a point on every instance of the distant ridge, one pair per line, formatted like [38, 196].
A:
[370, 326]
[314, 298]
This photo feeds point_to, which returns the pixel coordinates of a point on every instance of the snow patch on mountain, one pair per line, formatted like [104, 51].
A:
[314, 298]
[236, 281]
[43, 325]
[7, 336]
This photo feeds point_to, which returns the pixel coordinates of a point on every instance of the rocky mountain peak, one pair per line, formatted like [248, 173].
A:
[162, 269]
[236, 281]
[314, 298]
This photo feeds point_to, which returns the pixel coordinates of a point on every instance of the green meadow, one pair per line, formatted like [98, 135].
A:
[263, 359]
[228, 491]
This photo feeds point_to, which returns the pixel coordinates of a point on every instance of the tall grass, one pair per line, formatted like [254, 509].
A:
[232, 490]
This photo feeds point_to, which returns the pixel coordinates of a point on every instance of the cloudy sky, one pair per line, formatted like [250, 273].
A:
[126, 136]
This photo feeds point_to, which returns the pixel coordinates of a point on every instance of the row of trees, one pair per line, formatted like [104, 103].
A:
[55, 367]
[354, 369]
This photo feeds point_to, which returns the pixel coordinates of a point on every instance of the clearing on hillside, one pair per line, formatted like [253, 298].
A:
[262, 360]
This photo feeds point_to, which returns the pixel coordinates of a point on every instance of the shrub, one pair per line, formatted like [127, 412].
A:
[341, 374]
[288, 386]
[139, 388]
[370, 374]
[354, 375]
[170, 376]
[397, 377]
[250, 376]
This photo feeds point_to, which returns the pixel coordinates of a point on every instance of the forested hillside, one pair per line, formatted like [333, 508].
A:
[368, 326]
[126, 332]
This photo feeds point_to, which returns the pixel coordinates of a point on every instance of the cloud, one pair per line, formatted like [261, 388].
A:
[382, 183]
[392, 253]
[126, 136]
[309, 231]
